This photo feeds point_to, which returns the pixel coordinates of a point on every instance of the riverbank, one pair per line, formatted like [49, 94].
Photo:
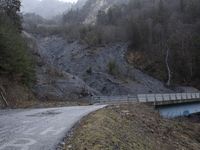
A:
[133, 126]
[194, 118]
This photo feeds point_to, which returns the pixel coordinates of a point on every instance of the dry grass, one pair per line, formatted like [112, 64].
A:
[133, 127]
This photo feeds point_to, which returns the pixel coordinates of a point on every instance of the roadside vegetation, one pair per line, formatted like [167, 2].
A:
[113, 68]
[133, 126]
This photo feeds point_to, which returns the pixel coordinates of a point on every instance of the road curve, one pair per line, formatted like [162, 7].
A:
[38, 129]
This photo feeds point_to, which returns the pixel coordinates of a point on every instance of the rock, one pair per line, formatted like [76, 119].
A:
[64, 73]
[69, 146]
[65, 87]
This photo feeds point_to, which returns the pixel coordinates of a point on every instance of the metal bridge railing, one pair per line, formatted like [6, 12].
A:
[113, 99]
[145, 98]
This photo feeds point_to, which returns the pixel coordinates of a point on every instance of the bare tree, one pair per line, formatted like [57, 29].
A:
[167, 65]
[2, 94]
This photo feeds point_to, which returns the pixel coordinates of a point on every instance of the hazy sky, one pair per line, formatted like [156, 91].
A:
[46, 8]
[69, 0]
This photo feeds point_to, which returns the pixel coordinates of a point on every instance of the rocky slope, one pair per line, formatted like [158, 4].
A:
[53, 83]
[89, 8]
[79, 4]
[72, 70]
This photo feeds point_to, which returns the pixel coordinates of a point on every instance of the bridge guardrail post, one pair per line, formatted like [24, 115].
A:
[175, 97]
[155, 101]
[162, 98]
[198, 95]
[147, 98]
[193, 96]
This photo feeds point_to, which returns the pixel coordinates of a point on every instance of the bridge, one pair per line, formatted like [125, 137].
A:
[156, 99]
[169, 105]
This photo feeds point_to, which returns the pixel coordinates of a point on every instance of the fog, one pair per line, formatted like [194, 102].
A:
[46, 8]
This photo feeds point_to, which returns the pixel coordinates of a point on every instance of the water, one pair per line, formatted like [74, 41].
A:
[179, 110]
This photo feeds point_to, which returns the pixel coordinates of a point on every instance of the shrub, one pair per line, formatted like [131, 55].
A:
[91, 36]
[89, 70]
[113, 68]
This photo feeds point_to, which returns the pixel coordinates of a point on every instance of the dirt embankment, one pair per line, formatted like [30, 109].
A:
[129, 127]
[14, 94]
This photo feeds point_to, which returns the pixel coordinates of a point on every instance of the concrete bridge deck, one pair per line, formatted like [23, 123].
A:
[156, 99]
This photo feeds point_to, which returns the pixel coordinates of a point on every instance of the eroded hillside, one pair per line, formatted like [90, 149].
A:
[70, 70]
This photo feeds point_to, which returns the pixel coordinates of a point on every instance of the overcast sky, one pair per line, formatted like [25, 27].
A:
[69, 0]
[46, 8]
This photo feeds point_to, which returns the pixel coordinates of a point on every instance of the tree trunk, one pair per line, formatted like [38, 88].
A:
[4, 99]
[2, 92]
[168, 68]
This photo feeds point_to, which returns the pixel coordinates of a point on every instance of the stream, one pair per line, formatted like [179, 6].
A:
[172, 111]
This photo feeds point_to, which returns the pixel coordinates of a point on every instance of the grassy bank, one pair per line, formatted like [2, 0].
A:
[129, 127]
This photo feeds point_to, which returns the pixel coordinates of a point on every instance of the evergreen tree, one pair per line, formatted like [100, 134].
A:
[11, 8]
[182, 6]
[14, 58]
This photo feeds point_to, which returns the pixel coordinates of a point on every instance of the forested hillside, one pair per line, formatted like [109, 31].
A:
[103, 47]
[16, 66]
[15, 61]
[164, 35]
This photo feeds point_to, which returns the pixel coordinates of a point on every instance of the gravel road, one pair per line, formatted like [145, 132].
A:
[38, 129]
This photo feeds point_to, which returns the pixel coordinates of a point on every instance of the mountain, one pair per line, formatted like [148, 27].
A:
[95, 5]
[86, 10]
[79, 4]
[45, 8]
[125, 51]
